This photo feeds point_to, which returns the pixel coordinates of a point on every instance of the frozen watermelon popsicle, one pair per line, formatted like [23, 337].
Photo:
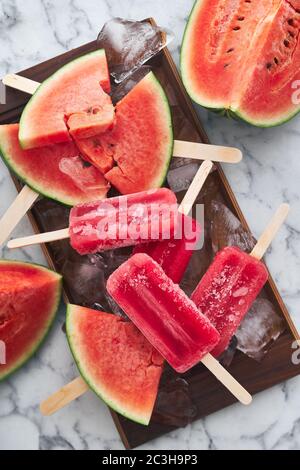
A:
[232, 283]
[174, 255]
[168, 318]
[115, 222]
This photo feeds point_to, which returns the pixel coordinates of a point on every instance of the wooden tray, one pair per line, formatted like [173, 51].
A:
[205, 392]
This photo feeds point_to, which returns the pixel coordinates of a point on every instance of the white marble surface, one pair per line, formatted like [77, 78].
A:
[35, 30]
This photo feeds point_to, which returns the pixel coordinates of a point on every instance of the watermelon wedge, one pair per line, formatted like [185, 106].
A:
[140, 143]
[29, 299]
[56, 171]
[242, 58]
[74, 88]
[116, 361]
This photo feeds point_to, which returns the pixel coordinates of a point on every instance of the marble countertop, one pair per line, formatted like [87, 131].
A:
[35, 30]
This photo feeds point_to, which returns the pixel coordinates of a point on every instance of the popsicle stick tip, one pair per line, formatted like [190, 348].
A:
[44, 410]
[246, 399]
[237, 155]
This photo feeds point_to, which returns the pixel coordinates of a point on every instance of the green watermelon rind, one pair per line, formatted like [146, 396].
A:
[166, 102]
[88, 380]
[35, 187]
[54, 76]
[52, 315]
[228, 112]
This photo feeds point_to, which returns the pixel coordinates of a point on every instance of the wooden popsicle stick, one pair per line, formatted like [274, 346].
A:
[64, 396]
[197, 151]
[270, 232]
[20, 83]
[195, 187]
[182, 149]
[16, 212]
[239, 392]
[39, 238]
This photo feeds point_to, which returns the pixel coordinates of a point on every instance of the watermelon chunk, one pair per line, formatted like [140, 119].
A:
[29, 299]
[141, 141]
[73, 89]
[116, 361]
[95, 120]
[56, 171]
[242, 58]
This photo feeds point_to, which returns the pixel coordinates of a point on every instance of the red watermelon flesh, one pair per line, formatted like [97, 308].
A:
[29, 299]
[95, 120]
[92, 151]
[141, 141]
[73, 89]
[56, 171]
[244, 57]
[116, 361]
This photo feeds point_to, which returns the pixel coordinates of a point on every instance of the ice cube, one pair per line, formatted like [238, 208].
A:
[227, 230]
[227, 357]
[259, 329]
[174, 405]
[130, 44]
[129, 83]
[180, 178]
[85, 176]
[84, 277]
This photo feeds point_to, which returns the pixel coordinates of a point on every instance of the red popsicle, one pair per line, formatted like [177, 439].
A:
[174, 255]
[227, 291]
[123, 221]
[162, 311]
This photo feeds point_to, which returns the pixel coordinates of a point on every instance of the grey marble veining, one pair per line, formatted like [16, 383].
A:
[36, 30]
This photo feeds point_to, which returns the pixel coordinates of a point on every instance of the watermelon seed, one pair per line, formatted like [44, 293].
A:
[236, 28]
[268, 65]
[241, 18]
[286, 43]
[276, 60]
[291, 34]
[291, 22]
[230, 50]
[226, 65]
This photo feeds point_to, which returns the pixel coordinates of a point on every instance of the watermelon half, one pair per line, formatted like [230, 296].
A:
[242, 58]
[75, 88]
[56, 171]
[141, 142]
[116, 361]
[29, 299]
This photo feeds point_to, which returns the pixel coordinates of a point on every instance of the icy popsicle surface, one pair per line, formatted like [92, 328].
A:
[123, 221]
[227, 291]
[174, 255]
[162, 311]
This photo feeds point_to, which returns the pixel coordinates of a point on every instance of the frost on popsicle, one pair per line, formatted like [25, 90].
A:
[262, 325]
[130, 44]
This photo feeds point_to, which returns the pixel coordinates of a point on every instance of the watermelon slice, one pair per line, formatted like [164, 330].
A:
[74, 88]
[56, 171]
[116, 361]
[140, 143]
[243, 58]
[29, 299]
